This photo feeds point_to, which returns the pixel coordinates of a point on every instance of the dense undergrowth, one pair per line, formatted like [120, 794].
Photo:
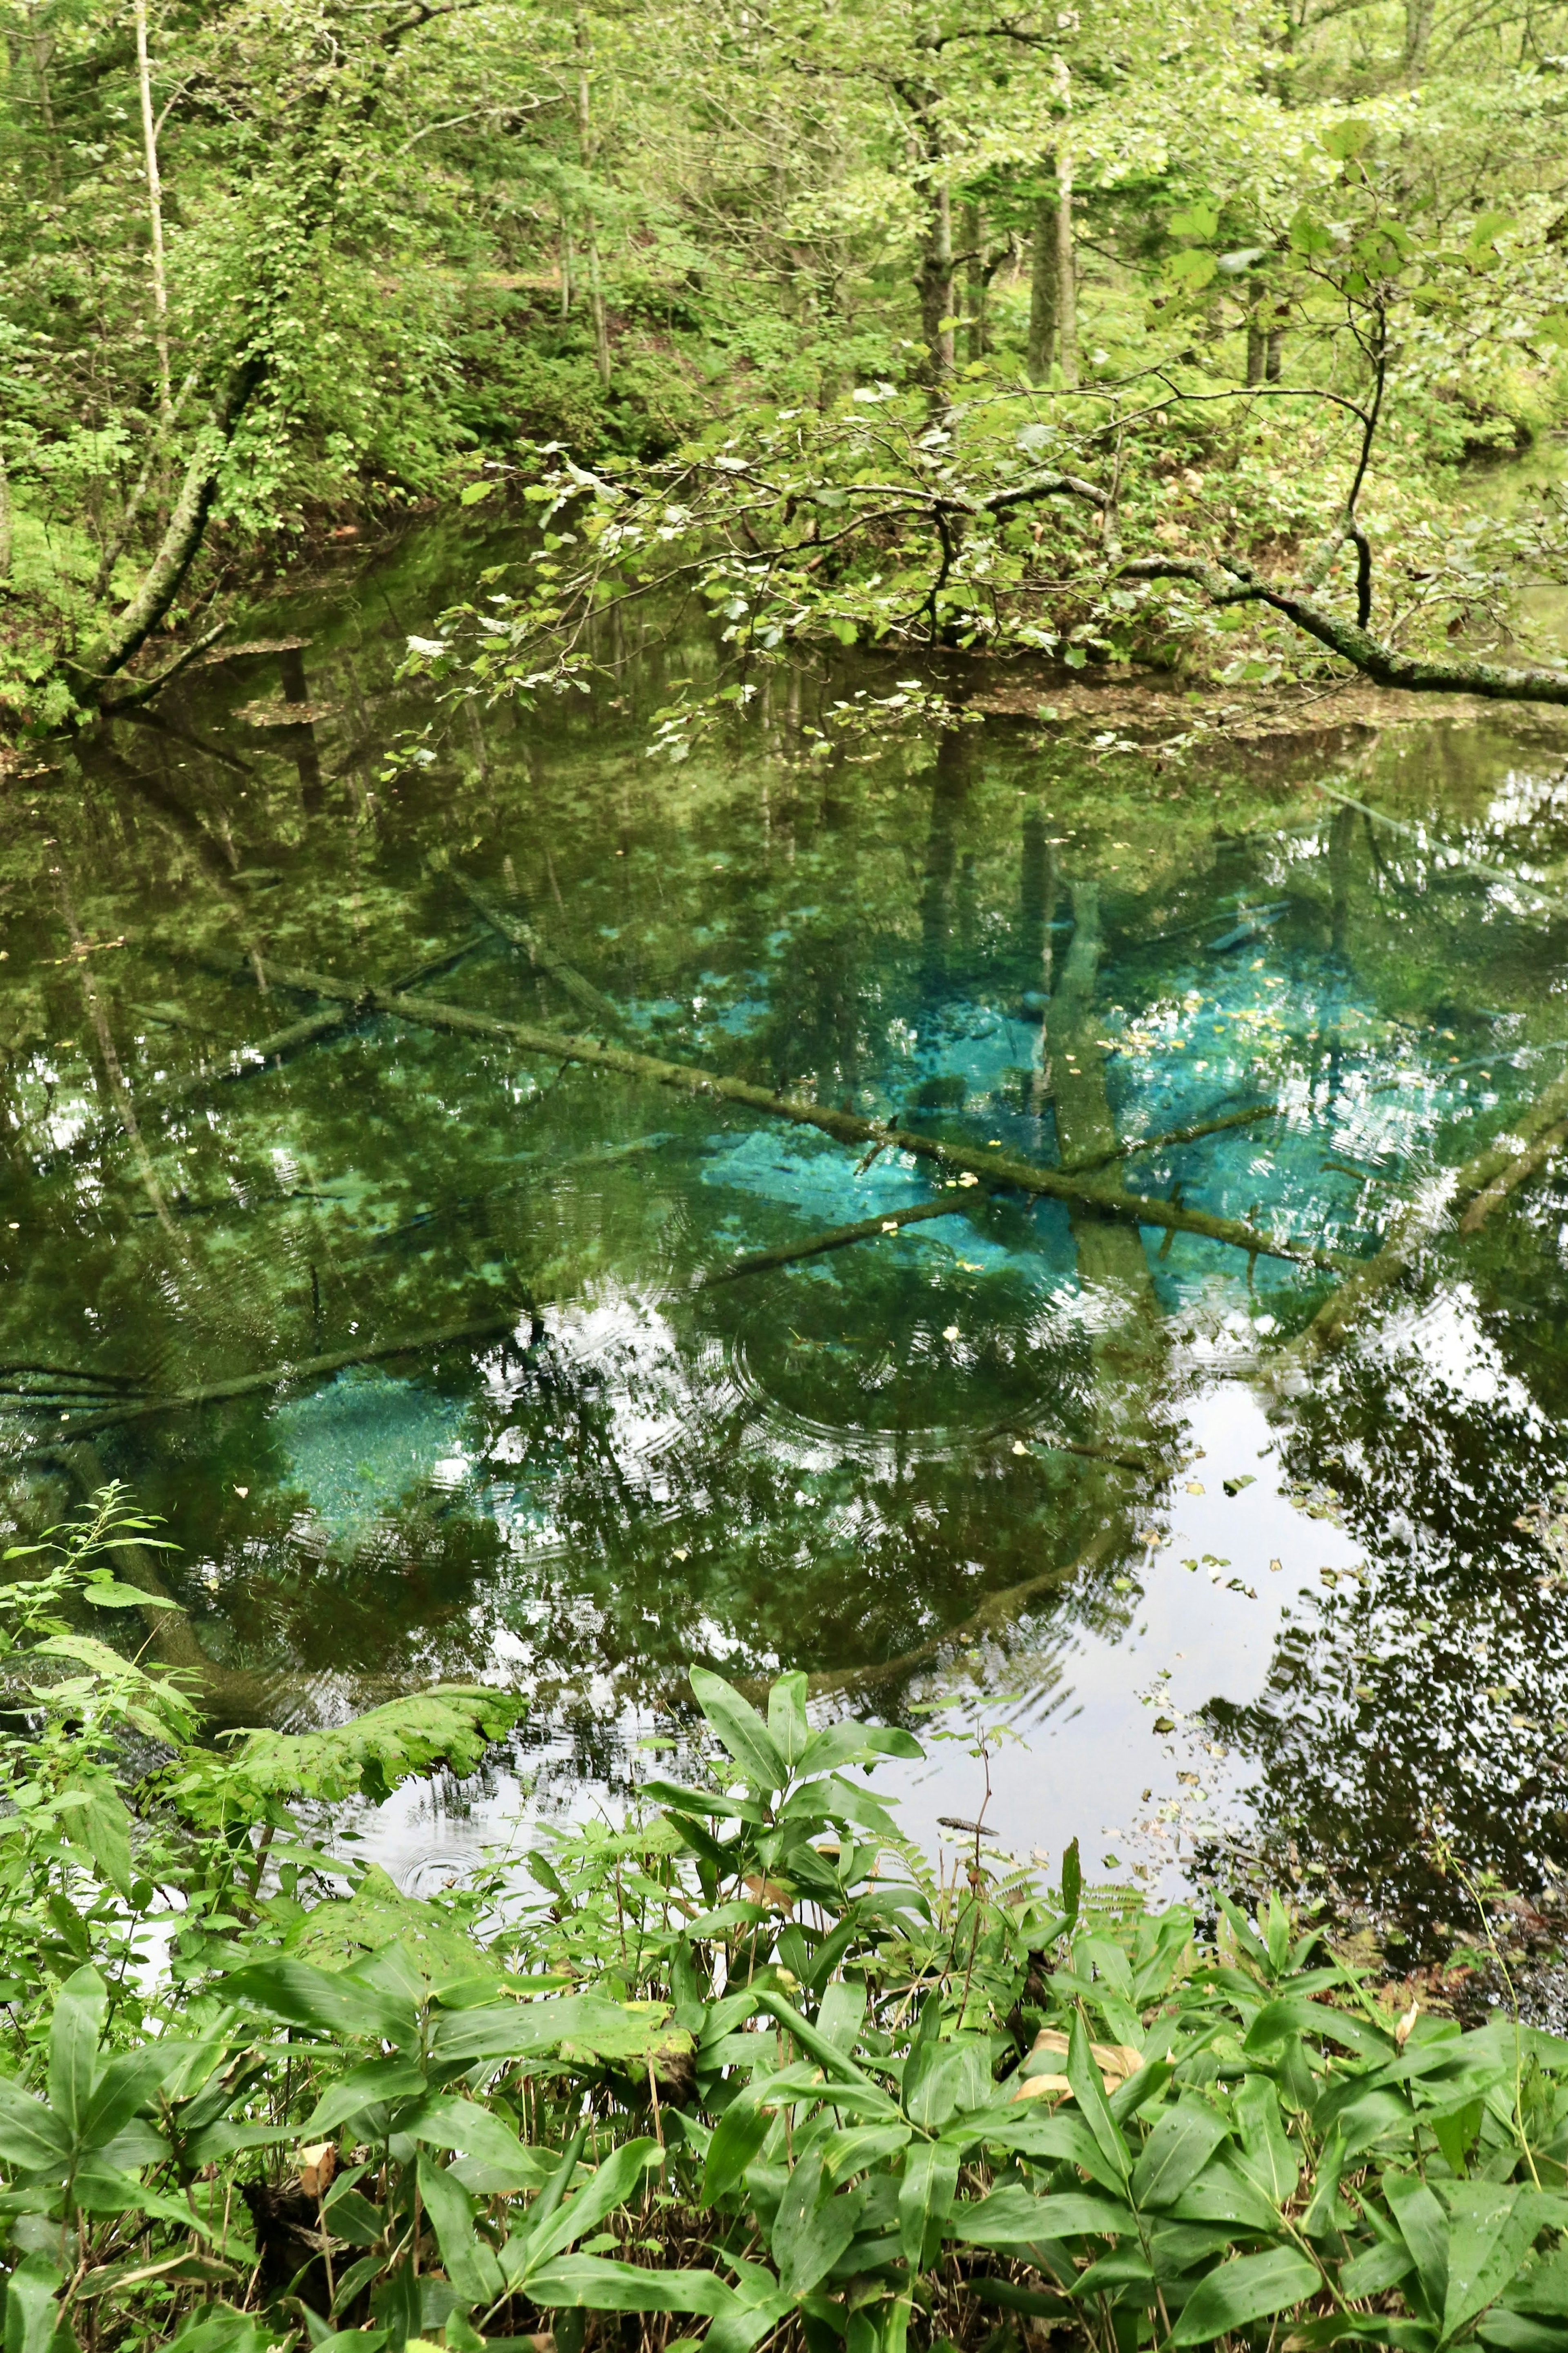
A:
[744, 2067]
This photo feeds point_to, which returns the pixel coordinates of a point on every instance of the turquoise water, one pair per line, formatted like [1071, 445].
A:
[1069, 1472]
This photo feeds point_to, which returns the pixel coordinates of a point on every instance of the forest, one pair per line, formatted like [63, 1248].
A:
[1101, 334]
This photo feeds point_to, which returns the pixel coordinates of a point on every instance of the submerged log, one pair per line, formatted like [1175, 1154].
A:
[1007, 1171]
[1138, 1145]
[289, 1374]
[864, 1230]
[1473, 1191]
[520, 934]
[1451, 857]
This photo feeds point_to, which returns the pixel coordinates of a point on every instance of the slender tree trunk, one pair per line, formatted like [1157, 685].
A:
[585, 151]
[43, 51]
[1066, 268]
[154, 217]
[936, 286]
[1419, 15]
[1274, 359]
[974, 279]
[4, 520]
[1043, 287]
[126, 635]
[568, 264]
[1256, 343]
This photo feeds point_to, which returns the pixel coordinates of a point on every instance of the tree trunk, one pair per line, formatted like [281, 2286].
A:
[567, 264]
[975, 278]
[1067, 272]
[161, 584]
[1043, 288]
[1256, 344]
[4, 520]
[154, 217]
[936, 286]
[1418, 17]
[1274, 357]
[585, 150]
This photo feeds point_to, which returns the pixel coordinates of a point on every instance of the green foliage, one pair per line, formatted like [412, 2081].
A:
[743, 2060]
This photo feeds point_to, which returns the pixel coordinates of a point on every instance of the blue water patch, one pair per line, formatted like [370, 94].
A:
[366, 1442]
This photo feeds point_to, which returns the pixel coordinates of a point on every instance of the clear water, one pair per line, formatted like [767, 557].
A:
[893, 1464]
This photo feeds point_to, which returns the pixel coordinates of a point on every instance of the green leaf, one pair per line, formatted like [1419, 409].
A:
[1377, 2269]
[80, 2009]
[1183, 2141]
[1242, 2291]
[1518, 2334]
[589, 2022]
[925, 2195]
[471, 2265]
[812, 2227]
[741, 1729]
[1491, 2227]
[1268, 2155]
[1012, 2217]
[1347, 139]
[31, 2311]
[1423, 2227]
[450, 1727]
[610, 2186]
[1088, 2091]
[1072, 1881]
[1196, 220]
[1192, 269]
[595, 2284]
[737, 2137]
[33, 2140]
[787, 1721]
[446, 2121]
[1223, 2194]
[943, 2080]
[378, 2081]
[472, 492]
[329, 2002]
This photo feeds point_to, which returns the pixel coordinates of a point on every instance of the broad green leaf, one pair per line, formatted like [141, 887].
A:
[591, 2024]
[851, 2150]
[471, 2265]
[787, 1722]
[841, 2013]
[1183, 2141]
[1011, 2217]
[218, 2328]
[1378, 2269]
[1423, 2227]
[1347, 139]
[1517, 2333]
[80, 2008]
[925, 2195]
[1221, 2193]
[1088, 2091]
[125, 2085]
[813, 2226]
[326, 1999]
[737, 2137]
[31, 2311]
[1021, 2127]
[450, 1726]
[344, 1933]
[610, 2186]
[1269, 2156]
[34, 2140]
[446, 2121]
[377, 2083]
[1239, 2293]
[741, 1729]
[1491, 2227]
[946, 2079]
[595, 2283]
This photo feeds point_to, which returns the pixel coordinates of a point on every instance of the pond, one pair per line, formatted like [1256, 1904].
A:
[1226, 1598]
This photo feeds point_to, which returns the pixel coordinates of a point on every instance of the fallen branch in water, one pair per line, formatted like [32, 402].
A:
[290, 1374]
[1173, 1136]
[1451, 857]
[865, 1229]
[1002, 1170]
[1467, 1201]
[520, 934]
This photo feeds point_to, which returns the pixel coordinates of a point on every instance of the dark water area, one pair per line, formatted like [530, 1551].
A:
[1021, 1461]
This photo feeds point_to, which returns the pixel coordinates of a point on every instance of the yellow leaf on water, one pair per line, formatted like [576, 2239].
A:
[1194, 1486]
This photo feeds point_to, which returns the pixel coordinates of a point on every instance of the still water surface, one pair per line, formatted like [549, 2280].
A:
[1045, 1467]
